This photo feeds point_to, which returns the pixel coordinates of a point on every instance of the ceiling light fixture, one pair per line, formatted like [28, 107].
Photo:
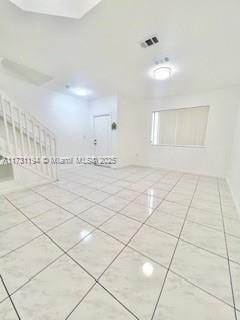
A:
[161, 73]
[81, 92]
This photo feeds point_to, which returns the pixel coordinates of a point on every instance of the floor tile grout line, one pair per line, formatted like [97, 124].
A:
[43, 232]
[22, 193]
[191, 244]
[93, 206]
[15, 225]
[86, 176]
[62, 204]
[40, 214]
[180, 276]
[171, 215]
[22, 207]
[198, 223]
[10, 298]
[79, 196]
[23, 245]
[95, 230]
[85, 295]
[206, 226]
[228, 262]
[65, 252]
[36, 274]
[44, 198]
[125, 245]
[169, 267]
[93, 189]
[203, 249]
[109, 292]
[115, 298]
[97, 280]
[83, 196]
[176, 272]
[115, 193]
[115, 213]
[79, 214]
[110, 196]
[194, 222]
[17, 209]
[58, 225]
[201, 289]
[97, 203]
[118, 212]
[176, 237]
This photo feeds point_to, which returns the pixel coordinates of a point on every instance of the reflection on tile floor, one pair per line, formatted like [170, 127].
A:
[133, 243]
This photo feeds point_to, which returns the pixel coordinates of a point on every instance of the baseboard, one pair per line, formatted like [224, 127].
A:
[180, 170]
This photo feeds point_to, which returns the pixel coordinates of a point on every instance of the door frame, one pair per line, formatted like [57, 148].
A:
[98, 116]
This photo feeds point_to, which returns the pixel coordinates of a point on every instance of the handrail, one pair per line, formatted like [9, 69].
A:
[6, 97]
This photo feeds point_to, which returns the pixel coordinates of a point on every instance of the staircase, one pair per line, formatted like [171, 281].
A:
[24, 137]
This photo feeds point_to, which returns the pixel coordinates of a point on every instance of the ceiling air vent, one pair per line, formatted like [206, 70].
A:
[149, 42]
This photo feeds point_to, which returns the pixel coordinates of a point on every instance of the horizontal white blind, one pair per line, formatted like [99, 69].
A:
[184, 127]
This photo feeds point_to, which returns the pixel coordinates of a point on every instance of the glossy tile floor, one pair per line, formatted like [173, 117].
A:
[134, 243]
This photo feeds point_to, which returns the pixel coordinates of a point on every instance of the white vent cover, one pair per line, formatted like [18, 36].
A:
[24, 73]
[65, 8]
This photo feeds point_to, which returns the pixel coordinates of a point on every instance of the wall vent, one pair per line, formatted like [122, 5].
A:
[149, 42]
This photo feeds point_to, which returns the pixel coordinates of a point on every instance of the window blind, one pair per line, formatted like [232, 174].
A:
[180, 127]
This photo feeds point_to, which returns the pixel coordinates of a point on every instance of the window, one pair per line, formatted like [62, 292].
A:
[180, 127]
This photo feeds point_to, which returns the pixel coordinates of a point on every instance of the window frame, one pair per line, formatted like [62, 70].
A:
[178, 145]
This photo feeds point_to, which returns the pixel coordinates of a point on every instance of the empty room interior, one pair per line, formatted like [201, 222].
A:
[119, 160]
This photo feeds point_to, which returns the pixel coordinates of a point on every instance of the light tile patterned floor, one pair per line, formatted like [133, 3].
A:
[134, 243]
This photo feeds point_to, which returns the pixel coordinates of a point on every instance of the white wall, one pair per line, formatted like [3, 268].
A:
[129, 131]
[71, 119]
[124, 139]
[211, 160]
[63, 114]
[131, 140]
[233, 176]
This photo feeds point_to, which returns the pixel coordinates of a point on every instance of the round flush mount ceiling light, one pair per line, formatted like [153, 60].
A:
[161, 73]
[81, 92]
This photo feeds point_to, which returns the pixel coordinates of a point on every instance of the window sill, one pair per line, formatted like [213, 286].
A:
[178, 146]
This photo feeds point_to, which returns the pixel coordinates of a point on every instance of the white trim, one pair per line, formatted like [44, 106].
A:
[179, 146]
[179, 108]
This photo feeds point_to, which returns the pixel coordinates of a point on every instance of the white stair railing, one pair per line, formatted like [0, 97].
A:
[24, 137]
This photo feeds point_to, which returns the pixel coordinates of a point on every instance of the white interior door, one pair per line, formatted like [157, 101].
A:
[102, 135]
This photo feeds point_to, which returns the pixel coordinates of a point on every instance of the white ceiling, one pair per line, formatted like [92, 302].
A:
[65, 8]
[101, 51]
